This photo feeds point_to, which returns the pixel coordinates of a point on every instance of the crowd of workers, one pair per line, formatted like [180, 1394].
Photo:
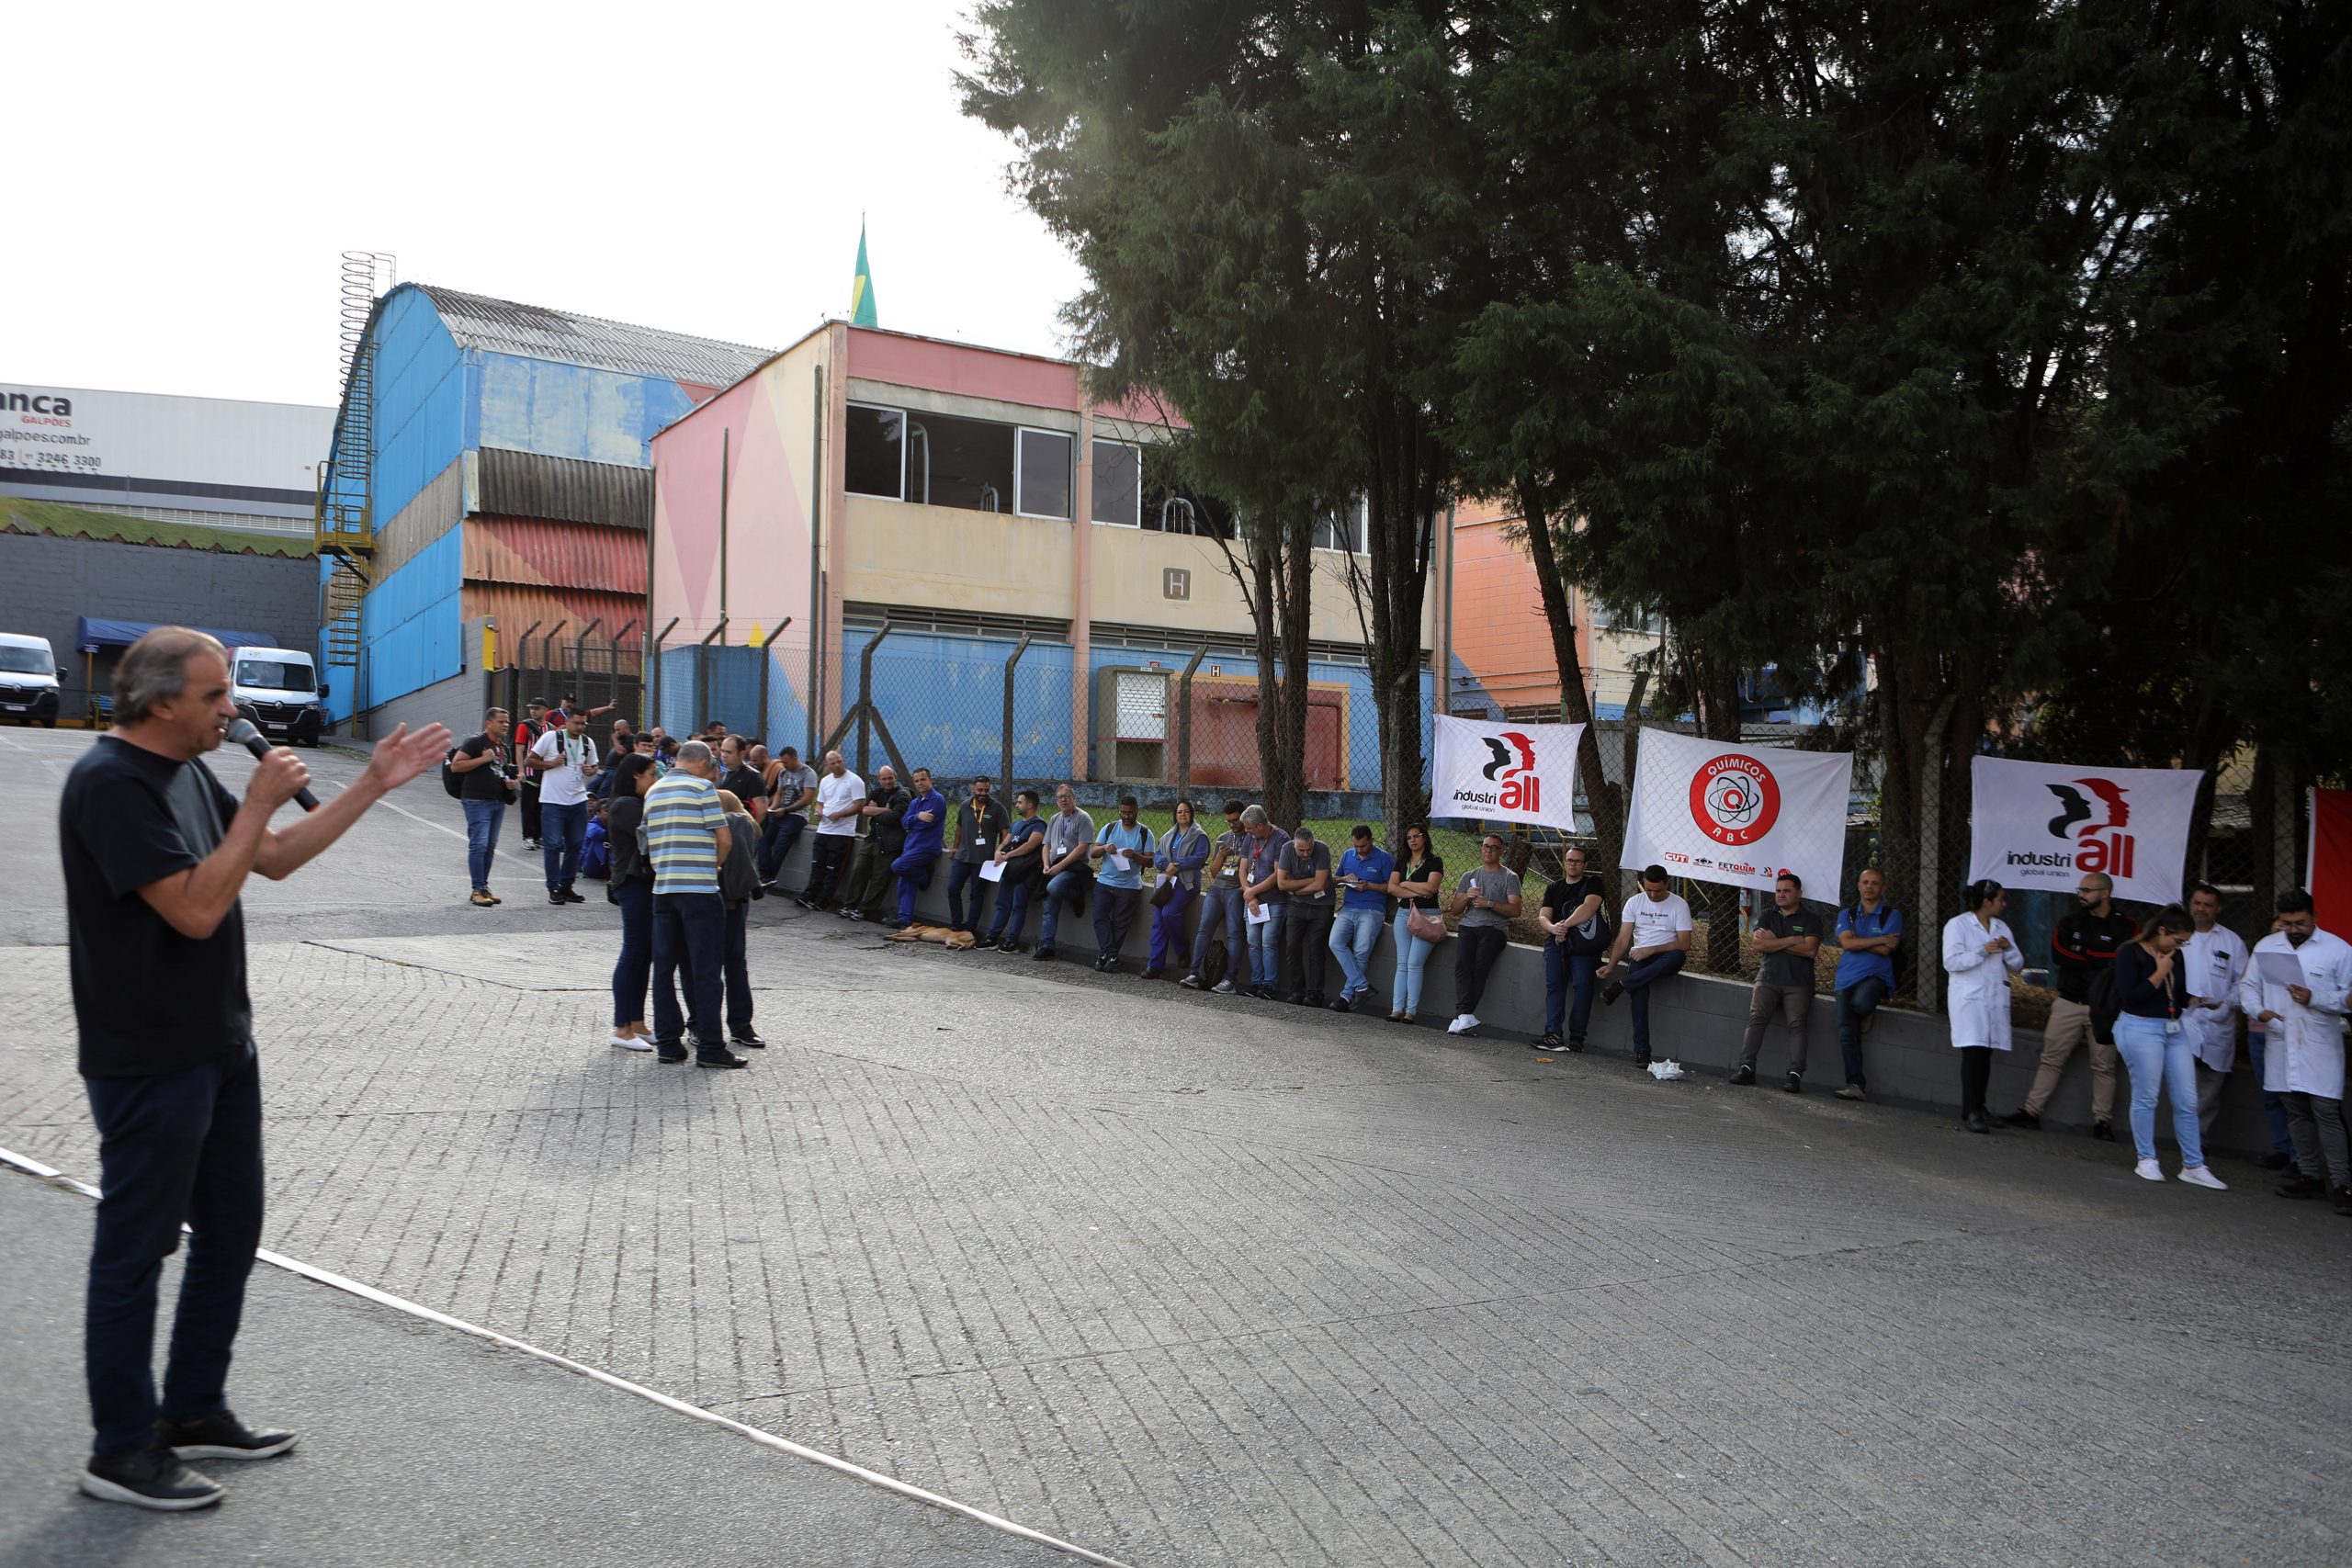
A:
[687, 834]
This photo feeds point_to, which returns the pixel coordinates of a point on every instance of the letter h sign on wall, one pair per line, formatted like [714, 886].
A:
[1175, 583]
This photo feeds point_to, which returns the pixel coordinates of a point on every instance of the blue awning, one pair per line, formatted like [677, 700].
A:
[92, 633]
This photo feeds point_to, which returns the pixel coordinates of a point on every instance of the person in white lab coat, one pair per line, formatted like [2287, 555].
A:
[1980, 954]
[2212, 962]
[2303, 1060]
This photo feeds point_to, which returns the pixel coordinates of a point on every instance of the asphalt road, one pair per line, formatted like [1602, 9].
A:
[1196, 1282]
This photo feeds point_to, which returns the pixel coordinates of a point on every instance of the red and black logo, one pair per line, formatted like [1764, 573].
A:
[1735, 799]
[2100, 844]
[1514, 771]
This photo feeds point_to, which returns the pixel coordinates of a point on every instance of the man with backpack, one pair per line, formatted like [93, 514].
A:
[1869, 931]
[1574, 918]
[526, 735]
[2082, 949]
[476, 774]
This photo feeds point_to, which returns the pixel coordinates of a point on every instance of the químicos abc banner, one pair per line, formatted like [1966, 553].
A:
[1742, 815]
[2047, 825]
[1505, 772]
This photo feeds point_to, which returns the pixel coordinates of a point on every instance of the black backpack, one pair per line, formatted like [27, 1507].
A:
[1213, 965]
[452, 780]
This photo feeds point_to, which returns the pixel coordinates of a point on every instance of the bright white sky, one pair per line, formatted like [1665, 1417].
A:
[698, 166]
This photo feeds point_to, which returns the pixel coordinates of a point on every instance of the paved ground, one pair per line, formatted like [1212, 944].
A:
[1190, 1281]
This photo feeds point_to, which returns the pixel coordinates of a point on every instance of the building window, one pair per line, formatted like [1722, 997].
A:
[1350, 531]
[1042, 476]
[874, 457]
[1118, 483]
[1172, 506]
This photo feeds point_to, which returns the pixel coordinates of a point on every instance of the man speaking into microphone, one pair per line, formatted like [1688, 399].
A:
[156, 853]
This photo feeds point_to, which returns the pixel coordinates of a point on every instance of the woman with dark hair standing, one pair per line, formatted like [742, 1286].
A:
[2154, 1043]
[1181, 854]
[1980, 954]
[1420, 873]
[631, 888]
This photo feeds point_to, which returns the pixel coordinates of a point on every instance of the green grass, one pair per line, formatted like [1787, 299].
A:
[21, 516]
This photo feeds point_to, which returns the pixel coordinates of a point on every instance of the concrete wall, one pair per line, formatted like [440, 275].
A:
[458, 702]
[1695, 1019]
[46, 582]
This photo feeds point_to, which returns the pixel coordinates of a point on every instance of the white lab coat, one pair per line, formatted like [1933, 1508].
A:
[2212, 963]
[2304, 1051]
[1979, 993]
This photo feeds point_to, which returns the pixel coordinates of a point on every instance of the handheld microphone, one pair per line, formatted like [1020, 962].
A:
[243, 733]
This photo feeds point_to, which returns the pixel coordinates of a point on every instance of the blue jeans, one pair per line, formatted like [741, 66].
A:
[734, 963]
[1412, 958]
[2160, 1061]
[1354, 933]
[1222, 914]
[689, 938]
[1168, 930]
[777, 834]
[1115, 911]
[1266, 946]
[1565, 972]
[562, 830]
[1855, 1003]
[172, 1147]
[482, 819]
[1063, 885]
[1637, 981]
[961, 874]
[913, 869]
[633, 970]
[1012, 909]
[2273, 1111]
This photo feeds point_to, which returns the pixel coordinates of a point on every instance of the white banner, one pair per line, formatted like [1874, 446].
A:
[2044, 825]
[1506, 773]
[1739, 814]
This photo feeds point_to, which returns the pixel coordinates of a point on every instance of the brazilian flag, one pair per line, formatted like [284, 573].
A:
[861, 291]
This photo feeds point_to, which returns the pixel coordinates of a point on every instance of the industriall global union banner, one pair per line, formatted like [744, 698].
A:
[1739, 814]
[2043, 825]
[1506, 773]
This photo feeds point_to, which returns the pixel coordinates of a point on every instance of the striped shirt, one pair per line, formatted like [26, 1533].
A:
[682, 820]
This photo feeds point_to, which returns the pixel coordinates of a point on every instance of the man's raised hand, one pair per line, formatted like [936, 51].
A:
[400, 756]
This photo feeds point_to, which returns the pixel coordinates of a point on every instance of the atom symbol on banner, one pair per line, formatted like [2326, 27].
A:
[1733, 800]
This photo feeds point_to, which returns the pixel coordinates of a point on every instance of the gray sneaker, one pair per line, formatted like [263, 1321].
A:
[1222, 989]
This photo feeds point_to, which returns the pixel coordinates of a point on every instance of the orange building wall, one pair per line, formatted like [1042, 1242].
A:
[1502, 644]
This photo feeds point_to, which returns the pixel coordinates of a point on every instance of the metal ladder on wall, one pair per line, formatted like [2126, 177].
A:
[343, 521]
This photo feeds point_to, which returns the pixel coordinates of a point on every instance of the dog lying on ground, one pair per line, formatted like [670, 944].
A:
[954, 941]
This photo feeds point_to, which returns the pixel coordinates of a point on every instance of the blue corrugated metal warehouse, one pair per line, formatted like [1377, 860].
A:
[490, 462]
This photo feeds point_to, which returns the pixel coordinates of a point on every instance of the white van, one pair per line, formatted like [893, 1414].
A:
[28, 677]
[278, 690]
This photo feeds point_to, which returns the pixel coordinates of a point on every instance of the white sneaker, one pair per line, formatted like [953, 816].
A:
[632, 1042]
[2148, 1170]
[2197, 1176]
[1463, 1023]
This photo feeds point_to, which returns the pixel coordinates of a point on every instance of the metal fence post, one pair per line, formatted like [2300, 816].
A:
[1018, 650]
[579, 660]
[653, 703]
[514, 672]
[618, 638]
[1184, 722]
[702, 676]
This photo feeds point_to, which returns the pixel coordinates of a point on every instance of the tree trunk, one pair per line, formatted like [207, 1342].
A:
[1714, 687]
[1608, 811]
[1401, 520]
[1281, 580]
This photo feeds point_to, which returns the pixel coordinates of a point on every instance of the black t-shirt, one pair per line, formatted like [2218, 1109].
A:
[889, 829]
[2085, 944]
[1561, 899]
[487, 782]
[1429, 866]
[1787, 968]
[147, 1000]
[746, 784]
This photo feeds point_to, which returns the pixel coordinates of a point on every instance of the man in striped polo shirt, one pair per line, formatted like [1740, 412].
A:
[685, 837]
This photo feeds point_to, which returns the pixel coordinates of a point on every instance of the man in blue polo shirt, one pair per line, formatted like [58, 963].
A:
[1365, 869]
[1869, 931]
[925, 819]
[686, 837]
[1119, 853]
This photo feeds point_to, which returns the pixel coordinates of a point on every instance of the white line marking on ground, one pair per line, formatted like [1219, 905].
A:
[56, 1177]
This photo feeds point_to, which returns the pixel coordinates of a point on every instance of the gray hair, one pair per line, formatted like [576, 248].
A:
[154, 670]
[694, 752]
[1253, 816]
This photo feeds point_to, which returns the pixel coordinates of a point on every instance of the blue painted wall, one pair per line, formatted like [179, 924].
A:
[423, 405]
[568, 411]
[415, 633]
[944, 700]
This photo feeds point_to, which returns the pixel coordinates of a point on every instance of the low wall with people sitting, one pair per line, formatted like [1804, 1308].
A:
[1700, 1022]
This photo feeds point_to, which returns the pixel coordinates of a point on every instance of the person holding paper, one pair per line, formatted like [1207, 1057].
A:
[1486, 901]
[979, 829]
[1221, 907]
[1182, 855]
[1980, 954]
[1019, 866]
[2296, 989]
[1263, 896]
[1119, 853]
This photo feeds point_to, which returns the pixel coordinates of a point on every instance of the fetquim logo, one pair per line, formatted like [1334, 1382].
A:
[2096, 825]
[1735, 799]
[1519, 787]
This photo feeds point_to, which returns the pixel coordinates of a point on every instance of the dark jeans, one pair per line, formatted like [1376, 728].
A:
[1975, 1076]
[689, 936]
[735, 965]
[173, 1147]
[1168, 942]
[633, 970]
[871, 883]
[1306, 948]
[562, 830]
[1012, 908]
[2274, 1110]
[961, 874]
[1565, 972]
[482, 818]
[1637, 982]
[1070, 885]
[777, 834]
[527, 792]
[913, 870]
[1115, 911]
[828, 861]
[1474, 960]
[1855, 1003]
